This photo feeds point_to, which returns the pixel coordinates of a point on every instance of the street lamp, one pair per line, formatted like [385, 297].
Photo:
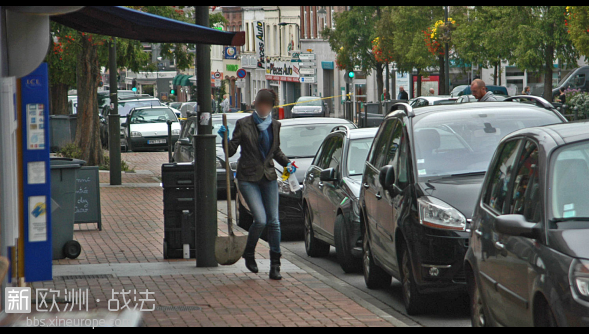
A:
[322, 14]
[158, 77]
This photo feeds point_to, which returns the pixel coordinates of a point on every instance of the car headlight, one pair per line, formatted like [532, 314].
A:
[220, 164]
[136, 134]
[175, 132]
[579, 278]
[122, 132]
[438, 214]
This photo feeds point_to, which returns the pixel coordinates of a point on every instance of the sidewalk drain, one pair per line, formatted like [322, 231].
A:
[177, 308]
[83, 276]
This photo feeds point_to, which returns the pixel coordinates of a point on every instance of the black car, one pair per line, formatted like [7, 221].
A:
[330, 196]
[528, 259]
[299, 140]
[184, 151]
[419, 188]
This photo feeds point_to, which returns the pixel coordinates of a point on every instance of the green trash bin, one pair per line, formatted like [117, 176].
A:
[63, 197]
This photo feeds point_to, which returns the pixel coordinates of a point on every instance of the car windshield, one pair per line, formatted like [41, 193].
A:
[463, 142]
[569, 190]
[126, 106]
[303, 141]
[217, 122]
[357, 154]
[310, 101]
[562, 81]
[153, 115]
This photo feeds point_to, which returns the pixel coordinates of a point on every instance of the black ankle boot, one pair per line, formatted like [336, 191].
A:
[250, 261]
[275, 266]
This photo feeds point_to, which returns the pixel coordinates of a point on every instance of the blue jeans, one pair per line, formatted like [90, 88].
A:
[262, 199]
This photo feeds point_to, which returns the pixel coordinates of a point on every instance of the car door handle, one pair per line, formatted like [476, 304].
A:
[499, 246]
[366, 185]
[378, 195]
[478, 232]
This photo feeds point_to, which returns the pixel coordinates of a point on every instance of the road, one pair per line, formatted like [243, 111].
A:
[445, 311]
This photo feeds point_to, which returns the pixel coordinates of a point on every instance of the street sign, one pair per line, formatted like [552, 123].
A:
[241, 73]
[307, 56]
[308, 79]
[307, 71]
[217, 75]
[217, 82]
[306, 64]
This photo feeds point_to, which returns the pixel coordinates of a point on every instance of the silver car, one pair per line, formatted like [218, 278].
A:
[309, 106]
[147, 128]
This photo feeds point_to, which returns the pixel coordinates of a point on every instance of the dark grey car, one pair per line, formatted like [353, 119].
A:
[528, 259]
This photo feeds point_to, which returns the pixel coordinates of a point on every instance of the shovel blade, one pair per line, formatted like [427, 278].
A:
[229, 249]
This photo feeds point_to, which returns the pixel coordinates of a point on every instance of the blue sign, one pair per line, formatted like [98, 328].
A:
[230, 52]
[36, 175]
[327, 65]
[241, 73]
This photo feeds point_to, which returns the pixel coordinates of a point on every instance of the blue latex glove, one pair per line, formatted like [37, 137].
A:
[291, 167]
[223, 132]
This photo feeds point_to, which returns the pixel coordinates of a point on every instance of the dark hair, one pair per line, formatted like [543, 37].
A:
[266, 95]
[562, 89]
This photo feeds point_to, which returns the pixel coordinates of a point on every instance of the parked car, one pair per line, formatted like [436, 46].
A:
[184, 150]
[331, 188]
[466, 99]
[527, 262]
[423, 101]
[309, 106]
[465, 90]
[575, 79]
[175, 105]
[146, 128]
[420, 183]
[299, 140]
[187, 107]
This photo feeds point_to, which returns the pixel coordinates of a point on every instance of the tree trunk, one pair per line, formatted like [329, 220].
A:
[418, 88]
[499, 73]
[495, 75]
[442, 76]
[88, 125]
[379, 81]
[58, 99]
[548, 64]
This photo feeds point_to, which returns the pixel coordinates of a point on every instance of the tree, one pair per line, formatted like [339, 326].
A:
[352, 41]
[84, 54]
[577, 21]
[542, 37]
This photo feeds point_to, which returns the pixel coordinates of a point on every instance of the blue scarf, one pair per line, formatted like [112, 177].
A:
[265, 139]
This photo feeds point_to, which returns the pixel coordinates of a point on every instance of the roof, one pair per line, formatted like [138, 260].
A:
[482, 106]
[363, 133]
[570, 132]
[124, 22]
[314, 120]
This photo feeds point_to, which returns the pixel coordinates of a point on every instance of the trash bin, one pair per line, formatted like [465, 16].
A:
[63, 198]
[62, 131]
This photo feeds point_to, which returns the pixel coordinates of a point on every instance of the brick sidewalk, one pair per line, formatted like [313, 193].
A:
[128, 255]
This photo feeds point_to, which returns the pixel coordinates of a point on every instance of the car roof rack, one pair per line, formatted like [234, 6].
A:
[538, 101]
[402, 106]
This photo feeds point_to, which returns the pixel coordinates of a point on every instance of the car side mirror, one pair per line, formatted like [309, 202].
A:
[518, 226]
[386, 177]
[328, 175]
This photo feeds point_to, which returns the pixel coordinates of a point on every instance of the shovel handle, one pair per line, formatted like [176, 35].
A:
[228, 178]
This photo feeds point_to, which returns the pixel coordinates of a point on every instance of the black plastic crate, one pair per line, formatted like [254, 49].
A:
[179, 228]
[175, 175]
[178, 198]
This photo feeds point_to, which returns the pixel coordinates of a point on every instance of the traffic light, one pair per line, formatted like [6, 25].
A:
[172, 92]
[348, 76]
[134, 85]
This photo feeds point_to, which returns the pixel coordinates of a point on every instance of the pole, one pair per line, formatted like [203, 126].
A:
[114, 124]
[205, 173]
[446, 61]
[170, 147]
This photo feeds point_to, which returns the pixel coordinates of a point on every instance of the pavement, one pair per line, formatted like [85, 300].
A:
[125, 259]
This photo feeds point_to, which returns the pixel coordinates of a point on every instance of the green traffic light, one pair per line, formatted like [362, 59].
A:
[134, 89]
[173, 92]
[351, 74]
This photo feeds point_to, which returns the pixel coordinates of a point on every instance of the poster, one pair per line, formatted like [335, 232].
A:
[37, 218]
[35, 126]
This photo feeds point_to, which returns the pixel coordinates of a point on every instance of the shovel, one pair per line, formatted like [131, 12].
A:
[229, 249]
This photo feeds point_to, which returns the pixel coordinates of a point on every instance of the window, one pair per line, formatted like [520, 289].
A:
[327, 150]
[501, 176]
[526, 195]
[579, 80]
[378, 152]
[335, 159]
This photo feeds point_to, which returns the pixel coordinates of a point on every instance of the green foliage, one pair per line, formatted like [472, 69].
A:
[577, 21]
[106, 164]
[70, 151]
[581, 101]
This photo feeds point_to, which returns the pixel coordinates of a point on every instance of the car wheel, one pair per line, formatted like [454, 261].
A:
[347, 261]
[543, 316]
[374, 276]
[414, 301]
[478, 316]
[313, 247]
[244, 219]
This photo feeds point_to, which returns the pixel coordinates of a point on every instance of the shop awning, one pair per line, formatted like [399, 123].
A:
[132, 24]
[182, 80]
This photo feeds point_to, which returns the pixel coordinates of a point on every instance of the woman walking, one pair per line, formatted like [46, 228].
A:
[259, 138]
